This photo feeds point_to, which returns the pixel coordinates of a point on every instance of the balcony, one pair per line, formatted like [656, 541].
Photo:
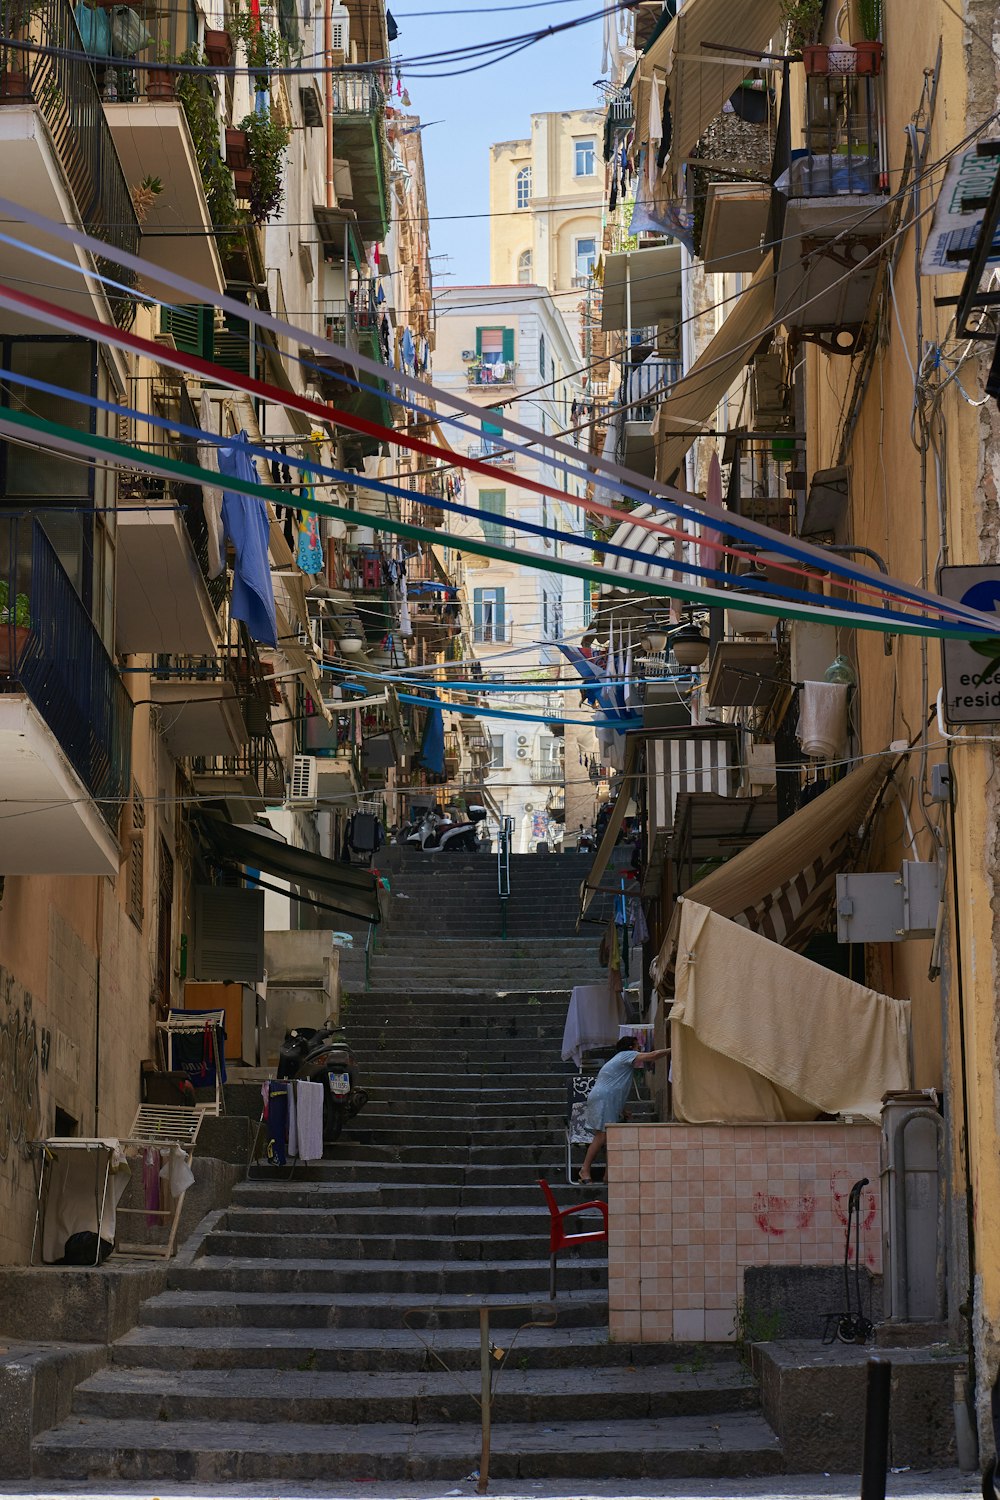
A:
[65, 718]
[359, 130]
[502, 372]
[833, 213]
[206, 700]
[245, 781]
[59, 156]
[492, 453]
[548, 772]
[643, 388]
[165, 600]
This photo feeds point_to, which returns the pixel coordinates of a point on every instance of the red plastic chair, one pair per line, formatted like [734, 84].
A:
[558, 1238]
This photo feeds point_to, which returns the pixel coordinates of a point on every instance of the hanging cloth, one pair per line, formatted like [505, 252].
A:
[405, 624]
[309, 555]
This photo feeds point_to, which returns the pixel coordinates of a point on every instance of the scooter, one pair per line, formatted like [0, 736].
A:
[439, 833]
[323, 1055]
[586, 842]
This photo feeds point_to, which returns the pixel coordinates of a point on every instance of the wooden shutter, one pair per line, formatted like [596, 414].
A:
[499, 622]
[229, 934]
[477, 613]
[508, 343]
[496, 501]
[191, 327]
[479, 341]
[490, 429]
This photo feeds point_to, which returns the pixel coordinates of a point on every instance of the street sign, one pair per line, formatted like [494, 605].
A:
[959, 211]
[972, 674]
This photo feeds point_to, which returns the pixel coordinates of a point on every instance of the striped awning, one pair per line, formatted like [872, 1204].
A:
[698, 760]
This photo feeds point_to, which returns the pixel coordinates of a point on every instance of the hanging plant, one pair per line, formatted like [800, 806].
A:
[265, 49]
[195, 93]
[267, 143]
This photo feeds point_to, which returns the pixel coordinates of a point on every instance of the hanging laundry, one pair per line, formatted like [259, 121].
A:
[246, 524]
[405, 624]
[211, 498]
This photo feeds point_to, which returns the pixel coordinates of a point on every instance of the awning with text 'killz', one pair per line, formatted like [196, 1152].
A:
[344, 888]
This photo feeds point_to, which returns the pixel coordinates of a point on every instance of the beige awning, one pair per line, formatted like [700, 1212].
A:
[752, 1032]
[641, 287]
[592, 882]
[701, 81]
[691, 402]
[782, 885]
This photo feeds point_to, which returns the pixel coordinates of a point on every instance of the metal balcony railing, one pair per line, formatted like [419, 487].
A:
[504, 372]
[644, 386]
[50, 650]
[547, 772]
[492, 452]
[65, 90]
[356, 92]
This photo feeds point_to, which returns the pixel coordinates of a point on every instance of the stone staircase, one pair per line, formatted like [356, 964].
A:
[326, 1325]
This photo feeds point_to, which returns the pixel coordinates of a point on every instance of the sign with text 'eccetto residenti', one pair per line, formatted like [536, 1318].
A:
[971, 672]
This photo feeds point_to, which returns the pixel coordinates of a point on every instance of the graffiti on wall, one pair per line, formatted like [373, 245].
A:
[19, 1064]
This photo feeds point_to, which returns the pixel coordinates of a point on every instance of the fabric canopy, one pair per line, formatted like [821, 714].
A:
[641, 287]
[693, 400]
[759, 1033]
[782, 885]
[347, 888]
[701, 81]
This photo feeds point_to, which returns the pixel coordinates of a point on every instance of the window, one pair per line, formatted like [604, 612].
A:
[541, 354]
[586, 256]
[583, 158]
[523, 187]
[524, 268]
[495, 352]
[492, 435]
[496, 752]
[495, 501]
[488, 616]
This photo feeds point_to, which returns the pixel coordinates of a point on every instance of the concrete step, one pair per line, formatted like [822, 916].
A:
[205, 1452]
[369, 1309]
[397, 1245]
[480, 1226]
[395, 1349]
[392, 1193]
[307, 1395]
[400, 1278]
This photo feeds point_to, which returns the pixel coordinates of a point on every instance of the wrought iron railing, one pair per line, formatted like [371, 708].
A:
[547, 772]
[51, 651]
[504, 372]
[65, 89]
[492, 452]
[356, 92]
[645, 385]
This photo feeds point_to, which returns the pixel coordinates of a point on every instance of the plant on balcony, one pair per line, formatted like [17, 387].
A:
[803, 19]
[869, 51]
[265, 49]
[267, 143]
[12, 642]
[144, 195]
[219, 48]
[197, 98]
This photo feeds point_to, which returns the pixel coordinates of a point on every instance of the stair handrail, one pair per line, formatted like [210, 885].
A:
[504, 838]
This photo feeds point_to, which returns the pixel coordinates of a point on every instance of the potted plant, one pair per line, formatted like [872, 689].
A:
[242, 184]
[869, 50]
[161, 82]
[15, 82]
[267, 143]
[265, 49]
[219, 48]
[803, 19]
[236, 148]
[196, 95]
[13, 640]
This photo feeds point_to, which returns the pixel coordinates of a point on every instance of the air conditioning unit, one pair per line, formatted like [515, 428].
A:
[522, 739]
[340, 28]
[529, 807]
[522, 754]
[303, 790]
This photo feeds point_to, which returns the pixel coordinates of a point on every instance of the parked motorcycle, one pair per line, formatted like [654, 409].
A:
[440, 832]
[323, 1055]
[586, 842]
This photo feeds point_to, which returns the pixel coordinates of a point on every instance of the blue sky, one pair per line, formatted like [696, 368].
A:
[493, 104]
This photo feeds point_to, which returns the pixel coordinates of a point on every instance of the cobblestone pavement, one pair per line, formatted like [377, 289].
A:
[907, 1486]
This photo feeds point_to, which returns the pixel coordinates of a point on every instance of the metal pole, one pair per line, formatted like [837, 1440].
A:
[484, 1399]
[875, 1454]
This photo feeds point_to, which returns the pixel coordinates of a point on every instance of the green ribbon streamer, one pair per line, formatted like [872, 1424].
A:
[129, 457]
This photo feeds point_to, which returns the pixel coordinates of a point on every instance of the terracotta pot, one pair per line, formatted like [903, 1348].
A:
[16, 639]
[237, 155]
[869, 57]
[816, 59]
[219, 48]
[15, 87]
[160, 84]
[242, 182]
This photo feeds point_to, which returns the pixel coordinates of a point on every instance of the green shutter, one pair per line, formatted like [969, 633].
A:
[490, 429]
[496, 501]
[192, 328]
[508, 343]
[477, 613]
[233, 345]
[479, 342]
[500, 624]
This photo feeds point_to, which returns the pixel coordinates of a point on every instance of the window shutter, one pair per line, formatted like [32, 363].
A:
[490, 429]
[496, 501]
[479, 342]
[500, 631]
[228, 934]
[477, 613]
[508, 343]
[191, 327]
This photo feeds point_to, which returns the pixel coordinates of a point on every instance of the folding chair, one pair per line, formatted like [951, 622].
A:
[166, 1129]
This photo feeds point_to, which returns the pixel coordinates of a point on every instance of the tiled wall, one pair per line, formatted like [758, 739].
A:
[692, 1205]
